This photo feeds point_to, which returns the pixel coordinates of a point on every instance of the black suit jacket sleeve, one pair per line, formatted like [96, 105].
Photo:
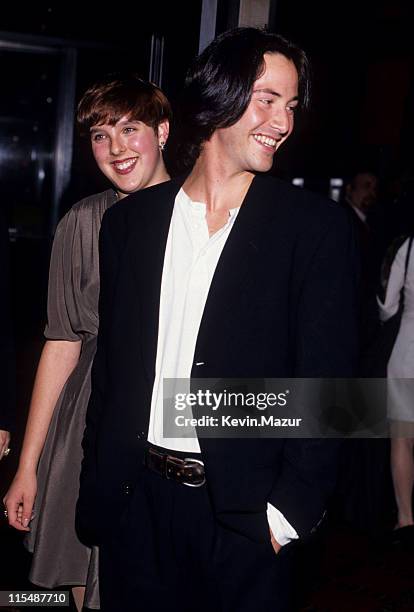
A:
[89, 502]
[326, 346]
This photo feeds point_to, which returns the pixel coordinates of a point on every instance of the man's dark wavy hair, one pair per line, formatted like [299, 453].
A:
[219, 84]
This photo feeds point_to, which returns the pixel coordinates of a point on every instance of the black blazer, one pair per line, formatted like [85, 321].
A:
[286, 283]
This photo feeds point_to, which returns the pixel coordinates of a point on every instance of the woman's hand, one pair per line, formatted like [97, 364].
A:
[59, 358]
[19, 500]
[4, 443]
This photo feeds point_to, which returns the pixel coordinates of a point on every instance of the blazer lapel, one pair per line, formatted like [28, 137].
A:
[238, 257]
[154, 214]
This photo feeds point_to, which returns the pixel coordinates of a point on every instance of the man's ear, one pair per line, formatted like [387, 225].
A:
[163, 131]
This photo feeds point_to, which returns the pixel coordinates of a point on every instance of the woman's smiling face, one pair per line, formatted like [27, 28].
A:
[128, 153]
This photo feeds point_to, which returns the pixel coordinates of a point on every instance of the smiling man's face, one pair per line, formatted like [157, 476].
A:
[250, 144]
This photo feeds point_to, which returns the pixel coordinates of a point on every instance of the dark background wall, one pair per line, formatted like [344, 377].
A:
[363, 90]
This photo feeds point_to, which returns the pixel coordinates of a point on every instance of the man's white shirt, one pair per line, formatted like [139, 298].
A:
[191, 257]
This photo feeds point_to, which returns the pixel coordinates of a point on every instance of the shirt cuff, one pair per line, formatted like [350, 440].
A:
[281, 528]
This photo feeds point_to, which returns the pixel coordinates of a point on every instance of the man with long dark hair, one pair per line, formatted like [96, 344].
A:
[229, 275]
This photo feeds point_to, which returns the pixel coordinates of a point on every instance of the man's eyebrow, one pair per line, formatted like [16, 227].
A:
[274, 93]
[266, 90]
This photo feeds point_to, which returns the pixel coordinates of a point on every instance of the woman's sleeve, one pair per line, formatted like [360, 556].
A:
[388, 306]
[64, 279]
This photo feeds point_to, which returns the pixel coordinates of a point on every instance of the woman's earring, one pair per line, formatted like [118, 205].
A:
[162, 145]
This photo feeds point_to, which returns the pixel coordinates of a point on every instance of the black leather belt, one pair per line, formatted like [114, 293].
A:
[185, 471]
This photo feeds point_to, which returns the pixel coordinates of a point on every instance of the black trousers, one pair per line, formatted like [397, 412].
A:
[169, 553]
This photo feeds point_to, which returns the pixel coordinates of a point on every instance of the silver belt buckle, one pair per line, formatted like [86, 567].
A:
[189, 484]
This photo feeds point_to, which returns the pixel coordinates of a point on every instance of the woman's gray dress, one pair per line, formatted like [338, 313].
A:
[58, 556]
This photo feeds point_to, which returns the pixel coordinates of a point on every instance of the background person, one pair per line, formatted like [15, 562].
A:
[400, 374]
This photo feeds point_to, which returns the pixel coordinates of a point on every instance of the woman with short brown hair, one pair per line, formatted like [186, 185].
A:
[128, 123]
